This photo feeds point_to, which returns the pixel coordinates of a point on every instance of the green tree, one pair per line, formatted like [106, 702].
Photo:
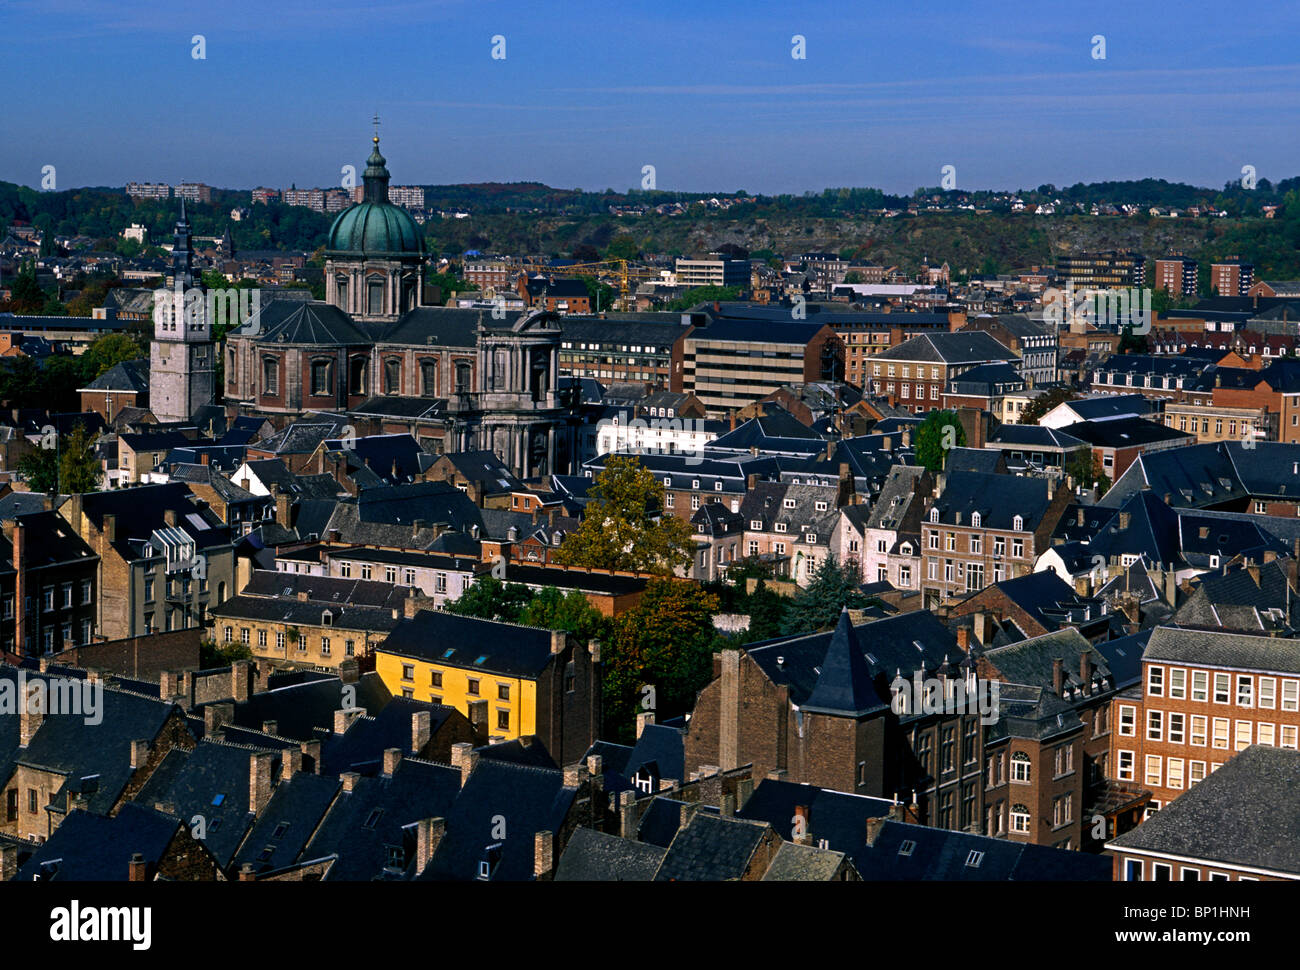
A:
[26, 295]
[1086, 469]
[940, 432]
[767, 612]
[489, 599]
[570, 611]
[622, 246]
[817, 606]
[624, 525]
[703, 294]
[666, 643]
[1044, 403]
[40, 469]
[79, 469]
[110, 350]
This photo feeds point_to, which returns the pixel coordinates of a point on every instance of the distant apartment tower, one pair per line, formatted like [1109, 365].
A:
[1232, 277]
[1176, 275]
[407, 196]
[309, 198]
[714, 270]
[149, 190]
[336, 200]
[194, 192]
[262, 196]
[1104, 270]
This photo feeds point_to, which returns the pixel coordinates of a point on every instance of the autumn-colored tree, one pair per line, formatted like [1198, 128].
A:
[623, 525]
[665, 643]
[1044, 403]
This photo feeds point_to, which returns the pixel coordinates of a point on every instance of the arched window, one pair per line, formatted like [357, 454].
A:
[975, 520]
[1018, 523]
[934, 515]
[357, 380]
[341, 285]
[392, 376]
[462, 377]
[322, 377]
[1020, 766]
[221, 595]
[270, 376]
[429, 378]
[1019, 818]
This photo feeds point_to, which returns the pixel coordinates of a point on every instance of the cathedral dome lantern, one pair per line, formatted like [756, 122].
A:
[375, 256]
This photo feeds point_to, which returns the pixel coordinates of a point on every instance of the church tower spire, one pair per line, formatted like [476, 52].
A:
[376, 175]
[182, 265]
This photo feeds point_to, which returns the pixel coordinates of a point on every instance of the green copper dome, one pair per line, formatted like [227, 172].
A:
[375, 226]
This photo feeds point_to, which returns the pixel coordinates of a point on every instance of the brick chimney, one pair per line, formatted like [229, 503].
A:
[139, 753]
[215, 715]
[290, 763]
[282, 507]
[543, 854]
[241, 681]
[260, 783]
[464, 757]
[643, 718]
[392, 758]
[421, 730]
[137, 870]
[344, 717]
[311, 749]
[29, 720]
[349, 780]
[428, 834]
[1058, 676]
[963, 638]
[478, 719]
[1085, 670]
[802, 834]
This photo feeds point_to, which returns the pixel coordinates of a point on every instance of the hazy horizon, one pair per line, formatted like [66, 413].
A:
[587, 95]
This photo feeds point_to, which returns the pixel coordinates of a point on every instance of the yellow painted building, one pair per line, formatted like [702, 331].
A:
[519, 680]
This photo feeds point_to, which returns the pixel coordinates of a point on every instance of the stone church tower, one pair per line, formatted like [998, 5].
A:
[182, 355]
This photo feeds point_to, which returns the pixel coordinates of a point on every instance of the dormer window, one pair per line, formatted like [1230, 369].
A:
[934, 515]
[780, 527]
[821, 506]
[695, 483]
[756, 525]
[667, 482]
[975, 520]
[789, 503]
[717, 486]
[1018, 524]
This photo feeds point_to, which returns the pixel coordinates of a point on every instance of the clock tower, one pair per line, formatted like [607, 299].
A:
[182, 356]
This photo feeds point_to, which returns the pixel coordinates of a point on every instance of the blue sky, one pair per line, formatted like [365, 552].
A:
[707, 92]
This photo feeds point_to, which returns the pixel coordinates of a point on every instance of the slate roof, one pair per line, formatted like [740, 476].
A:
[1125, 433]
[1047, 598]
[361, 747]
[49, 540]
[1244, 814]
[1223, 650]
[997, 498]
[213, 783]
[302, 706]
[89, 847]
[469, 642]
[483, 466]
[593, 856]
[844, 687]
[710, 848]
[803, 863]
[983, 460]
[941, 854]
[531, 799]
[281, 832]
[140, 511]
[68, 745]
[904, 642]
[129, 375]
[314, 324]
[961, 346]
[371, 828]
[839, 818]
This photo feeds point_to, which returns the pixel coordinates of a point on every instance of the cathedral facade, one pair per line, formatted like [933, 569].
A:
[463, 380]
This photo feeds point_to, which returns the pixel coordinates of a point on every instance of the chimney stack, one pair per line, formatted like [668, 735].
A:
[543, 854]
[344, 717]
[137, 868]
[421, 730]
[464, 757]
[139, 753]
[259, 780]
[428, 834]
[643, 718]
[1058, 676]
[392, 758]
